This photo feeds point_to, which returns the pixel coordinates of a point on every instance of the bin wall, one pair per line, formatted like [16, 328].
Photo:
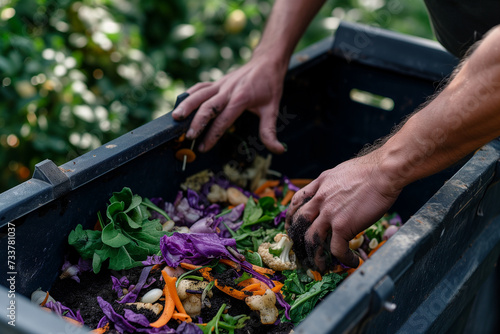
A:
[322, 127]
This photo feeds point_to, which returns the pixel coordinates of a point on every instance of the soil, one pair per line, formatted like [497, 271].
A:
[297, 232]
[83, 297]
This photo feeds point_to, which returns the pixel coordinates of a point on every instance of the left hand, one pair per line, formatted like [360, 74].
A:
[342, 201]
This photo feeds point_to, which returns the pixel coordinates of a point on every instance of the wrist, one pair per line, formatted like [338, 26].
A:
[273, 61]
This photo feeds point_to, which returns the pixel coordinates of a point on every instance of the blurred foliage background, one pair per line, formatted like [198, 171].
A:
[76, 74]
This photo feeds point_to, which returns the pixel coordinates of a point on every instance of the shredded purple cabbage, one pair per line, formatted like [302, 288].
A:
[396, 220]
[136, 318]
[195, 248]
[152, 260]
[131, 296]
[75, 269]
[104, 320]
[280, 217]
[162, 330]
[291, 186]
[120, 323]
[188, 328]
[60, 309]
[205, 225]
[119, 284]
[229, 220]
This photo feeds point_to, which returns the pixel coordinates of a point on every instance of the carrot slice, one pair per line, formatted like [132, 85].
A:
[268, 192]
[376, 248]
[233, 292]
[288, 197]
[301, 183]
[181, 316]
[266, 184]
[170, 284]
[231, 263]
[45, 299]
[262, 271]
[317, 275]
[252, 287]
[277, 286]
[73, 321]
[253, 281]
[338, 269]
[189, 266]
[168, 309]
[101, 330]
[190, 155]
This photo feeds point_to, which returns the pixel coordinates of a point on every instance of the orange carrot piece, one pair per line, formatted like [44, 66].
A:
[301, 183]
[317, 275]
[170, 283]
[233, 292]
[231, 263]
[181, 317]
[376, 248]
[252, 287]
[266, 184]
[252, 281]
[338, 269]
[189, 266]
[101, 330]
[168, 309]
[262, 271]
[359, 234]
[268, 192]
[351, 270]
[156, 266]
[73, 321]
[277, 286]
[288, 197]
[45, 299]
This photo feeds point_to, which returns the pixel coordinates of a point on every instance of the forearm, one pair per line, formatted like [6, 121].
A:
[285, 26]
[462, 118]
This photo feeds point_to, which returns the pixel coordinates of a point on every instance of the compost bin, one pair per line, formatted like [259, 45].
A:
[340, 94]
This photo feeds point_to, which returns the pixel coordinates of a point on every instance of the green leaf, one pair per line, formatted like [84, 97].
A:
[85, 241]
[252, 212]
[125, 196]
[113, 237]
[253, 258]
[243, 277]
[314, 291]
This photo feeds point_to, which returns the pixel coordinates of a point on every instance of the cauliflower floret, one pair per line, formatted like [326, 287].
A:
[265, 305]
[191, 302]
[279, 255]
[217, 194]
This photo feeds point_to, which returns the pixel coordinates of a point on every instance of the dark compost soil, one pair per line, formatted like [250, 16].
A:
[83, 297]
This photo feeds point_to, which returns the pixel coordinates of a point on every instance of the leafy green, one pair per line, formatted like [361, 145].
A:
[375, 231]
[302, 293]
[243, 277]
[214, 323]
[253, 258]
[127, 237]
[261, 213]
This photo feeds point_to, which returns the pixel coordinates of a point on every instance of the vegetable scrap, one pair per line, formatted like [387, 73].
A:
[216, 259]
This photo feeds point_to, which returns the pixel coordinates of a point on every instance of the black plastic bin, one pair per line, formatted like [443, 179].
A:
[340, 94]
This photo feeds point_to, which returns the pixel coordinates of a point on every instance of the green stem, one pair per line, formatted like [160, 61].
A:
[223, 213]
[147, 203]
[101, 221]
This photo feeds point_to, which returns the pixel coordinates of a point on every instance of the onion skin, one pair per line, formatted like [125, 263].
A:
[389, 232]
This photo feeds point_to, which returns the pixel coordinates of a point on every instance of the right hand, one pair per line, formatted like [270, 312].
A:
[256, 86]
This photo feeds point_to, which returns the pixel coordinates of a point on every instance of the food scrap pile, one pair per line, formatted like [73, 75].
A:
[215, 259]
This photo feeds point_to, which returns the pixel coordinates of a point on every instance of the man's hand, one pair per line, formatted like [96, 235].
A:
[257, 87]
[341, 202]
